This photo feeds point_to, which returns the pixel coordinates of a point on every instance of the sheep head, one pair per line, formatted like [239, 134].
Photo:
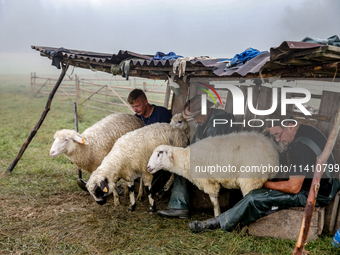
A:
[99, 190]
[179, 121]
[65, 141]
[161, 158]
[279, 146]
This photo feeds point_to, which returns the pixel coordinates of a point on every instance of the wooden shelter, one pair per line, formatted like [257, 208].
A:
[289, 61]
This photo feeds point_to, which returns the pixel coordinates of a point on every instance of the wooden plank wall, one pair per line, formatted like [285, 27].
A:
[329, 106]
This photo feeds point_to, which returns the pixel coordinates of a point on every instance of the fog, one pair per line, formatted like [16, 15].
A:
[189, 28]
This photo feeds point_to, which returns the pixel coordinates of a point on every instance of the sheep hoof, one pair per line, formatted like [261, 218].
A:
[117, 203]
[152, 208]
[132, 208]
[139, 198]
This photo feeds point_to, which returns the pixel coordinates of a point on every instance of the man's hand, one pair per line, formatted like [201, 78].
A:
[292, 186]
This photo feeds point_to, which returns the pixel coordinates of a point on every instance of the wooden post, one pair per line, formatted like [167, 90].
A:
[77, 88]
[314, 188]
[178, 101]
[75, 116]
[105, 97]
[42, 118]
[80, 174]
[167, 96]
[31, 85]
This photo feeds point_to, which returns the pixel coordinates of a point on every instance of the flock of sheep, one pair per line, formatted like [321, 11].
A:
[121, 147]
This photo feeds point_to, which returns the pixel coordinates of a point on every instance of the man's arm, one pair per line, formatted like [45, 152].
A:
[292, 186]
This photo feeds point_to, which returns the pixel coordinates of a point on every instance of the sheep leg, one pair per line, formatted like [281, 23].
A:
[131, 186]
[169, 182]
[216, 204]
[115, 194]
[126, 190]
[140, 192]
[151, 200]
[147, 179]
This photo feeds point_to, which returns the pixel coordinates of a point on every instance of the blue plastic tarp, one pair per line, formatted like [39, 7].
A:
[170, 56]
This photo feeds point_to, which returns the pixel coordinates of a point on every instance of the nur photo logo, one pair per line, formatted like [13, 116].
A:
[239, 104]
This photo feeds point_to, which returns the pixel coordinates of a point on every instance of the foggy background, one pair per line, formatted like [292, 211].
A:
[220, 28]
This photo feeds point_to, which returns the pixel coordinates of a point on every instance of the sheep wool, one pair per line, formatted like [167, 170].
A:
[179, 121]
[235, 149]
[128, 160]
[87, 150]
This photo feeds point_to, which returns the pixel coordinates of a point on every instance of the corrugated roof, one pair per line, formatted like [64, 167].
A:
[92, 56]
[289, 58]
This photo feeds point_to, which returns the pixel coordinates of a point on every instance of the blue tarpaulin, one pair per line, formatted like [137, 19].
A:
[241, 58]
[170, 56]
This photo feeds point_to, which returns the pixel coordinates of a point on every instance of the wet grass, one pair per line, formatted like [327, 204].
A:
[42, 210]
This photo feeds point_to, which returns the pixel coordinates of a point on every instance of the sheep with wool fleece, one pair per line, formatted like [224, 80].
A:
[128, 160]
[178, 121]
[235, 149]
[87, 150]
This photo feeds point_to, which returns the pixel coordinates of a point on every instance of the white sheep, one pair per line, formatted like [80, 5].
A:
[128, 160]
[235, 150]
[179, 121]
[87, 150]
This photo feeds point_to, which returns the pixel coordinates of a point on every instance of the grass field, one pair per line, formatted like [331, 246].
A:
[42, 210]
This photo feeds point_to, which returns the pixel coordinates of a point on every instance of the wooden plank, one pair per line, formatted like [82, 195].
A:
[128, 106]
[103, 102]
[328, 106]
[332, 221]
[178, 101]
[314, 116]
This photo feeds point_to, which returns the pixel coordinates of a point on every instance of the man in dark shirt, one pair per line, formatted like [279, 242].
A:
[180, 199]
[148, 113]
[283, 194]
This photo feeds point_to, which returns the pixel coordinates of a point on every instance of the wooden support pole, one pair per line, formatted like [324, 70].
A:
[314, 189]
[77, 130]
[31, 84]
[75, 117]
[167, 96]
[42, 118]
[77, 88]
[178, 101]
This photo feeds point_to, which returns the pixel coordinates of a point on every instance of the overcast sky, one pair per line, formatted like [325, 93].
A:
[219, 28]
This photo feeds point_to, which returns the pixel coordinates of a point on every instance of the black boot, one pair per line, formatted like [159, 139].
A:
[182, 214]
[199, 226]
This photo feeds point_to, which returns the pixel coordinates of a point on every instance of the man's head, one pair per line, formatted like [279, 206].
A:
[284, 134]
[137, 99]
[192, 109]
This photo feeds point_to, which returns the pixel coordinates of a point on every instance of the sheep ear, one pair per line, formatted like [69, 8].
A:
[78, 139]
[104, 187]
[169, 153]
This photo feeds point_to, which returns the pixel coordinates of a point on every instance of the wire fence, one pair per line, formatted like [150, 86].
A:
[102, 94]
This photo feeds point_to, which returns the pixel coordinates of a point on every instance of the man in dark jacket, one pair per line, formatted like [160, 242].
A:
[148, 113]
[304, 143]
[180, 199]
